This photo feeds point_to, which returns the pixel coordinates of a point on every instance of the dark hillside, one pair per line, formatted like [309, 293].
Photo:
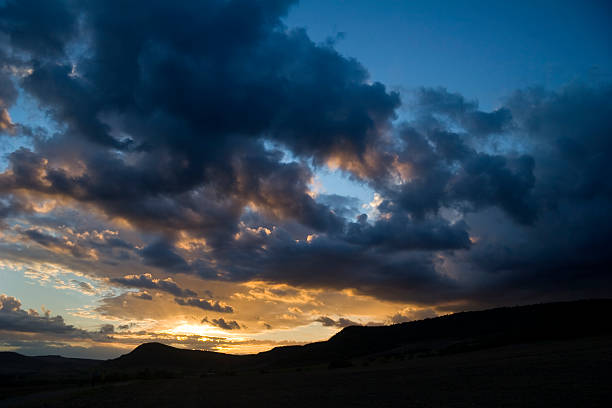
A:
[458, 332]
[15, 363]
[161, 356]
[450, 334]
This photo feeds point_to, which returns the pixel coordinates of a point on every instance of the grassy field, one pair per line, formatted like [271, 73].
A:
[573, 373]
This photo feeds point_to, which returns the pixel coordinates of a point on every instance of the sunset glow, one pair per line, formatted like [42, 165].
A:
[205, 331]
[237, 176]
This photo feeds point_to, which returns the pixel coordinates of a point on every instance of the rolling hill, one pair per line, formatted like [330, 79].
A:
[450, 334]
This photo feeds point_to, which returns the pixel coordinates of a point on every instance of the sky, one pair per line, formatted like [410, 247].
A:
[234, 175]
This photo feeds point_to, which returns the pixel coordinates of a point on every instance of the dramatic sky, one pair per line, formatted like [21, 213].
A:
[235, 175]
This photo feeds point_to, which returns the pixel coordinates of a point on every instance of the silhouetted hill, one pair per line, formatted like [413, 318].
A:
[452, 333]
[504, 325]
[161, 356]
[537, 352]
[18, 370]
[11, 363]
[458, 332]
[455, 333]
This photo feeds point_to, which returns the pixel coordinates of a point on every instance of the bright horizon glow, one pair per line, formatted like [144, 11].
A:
[203, 330]
[310, 165]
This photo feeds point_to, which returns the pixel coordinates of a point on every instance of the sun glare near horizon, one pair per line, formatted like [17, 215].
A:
[202, 330]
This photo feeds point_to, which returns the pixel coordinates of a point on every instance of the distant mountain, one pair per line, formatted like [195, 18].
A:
[455, 333]
[14, 363]
[18, 370]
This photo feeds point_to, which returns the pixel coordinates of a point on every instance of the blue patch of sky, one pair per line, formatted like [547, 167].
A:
[58, 292]
[326, 180]
[482, 49]
[26, 112]
[334, 182]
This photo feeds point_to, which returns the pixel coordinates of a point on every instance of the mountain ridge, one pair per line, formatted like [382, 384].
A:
[457, 332]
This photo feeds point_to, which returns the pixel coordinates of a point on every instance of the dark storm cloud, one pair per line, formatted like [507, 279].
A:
[489, 180]
[162, 255]
[205, 304]
[194, 165]
[555, 200]
[342, 206]
[55, 243]
[9, 206]
[438, 101]
[280, 190]
[195, 131]
[8, 92]
[41, 28]
[8, 96]
[566, 249]
[336, 264]
[399, 232]
[165, 114]
[42, 239]
[147, 281]
[445, 171]
[56, 237]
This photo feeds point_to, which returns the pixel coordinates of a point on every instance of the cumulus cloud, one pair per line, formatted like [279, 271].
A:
[13, 318]
[205, 304]
[341, 322]
[439, 101]
[211, 172]
[222, 324]
[565, 248]
[55, 243]
[162, 191]
[42, 334]
[146, 281]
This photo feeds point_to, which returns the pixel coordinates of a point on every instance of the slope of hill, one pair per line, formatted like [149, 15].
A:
[14, 363]
[450, 334]
[19, 373]
[556, 354]
[161, 356]
[458, 332]
[567, 373]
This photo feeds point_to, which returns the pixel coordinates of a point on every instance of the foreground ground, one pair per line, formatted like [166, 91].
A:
[574, 373]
